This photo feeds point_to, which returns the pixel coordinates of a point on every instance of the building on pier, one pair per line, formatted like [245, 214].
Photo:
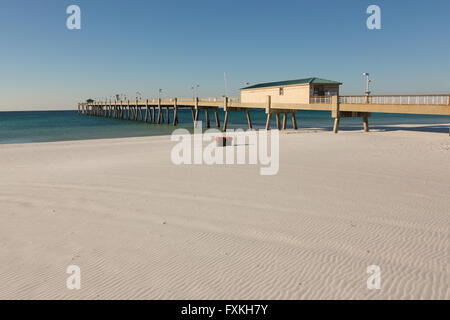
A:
[292, 91]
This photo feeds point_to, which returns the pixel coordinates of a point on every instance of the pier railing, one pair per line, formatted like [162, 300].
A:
[219, 99]
[413, 100]
[320, 100]
[397, 99]
[203, 99]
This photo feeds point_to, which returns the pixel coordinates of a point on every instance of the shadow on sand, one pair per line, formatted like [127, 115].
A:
[439, 128]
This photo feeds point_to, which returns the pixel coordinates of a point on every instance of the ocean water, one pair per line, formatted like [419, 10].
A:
[46, 126]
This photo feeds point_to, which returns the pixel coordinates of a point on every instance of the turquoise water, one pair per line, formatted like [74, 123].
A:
[45, 126]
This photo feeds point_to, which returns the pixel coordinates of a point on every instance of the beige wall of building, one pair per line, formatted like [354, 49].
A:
[326, 89]
[288, 94]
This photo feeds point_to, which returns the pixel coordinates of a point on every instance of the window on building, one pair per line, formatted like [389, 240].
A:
[281, 91]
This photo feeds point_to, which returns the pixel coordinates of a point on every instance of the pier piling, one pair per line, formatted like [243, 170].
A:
[208, 125]
[294, 121]
[277, 115]
[168, 115]
[159, 111]
[175, 112]
[196, 112]
[366, 123]
[147, 111]
[249, 120]
[216, 116]
[284, 120]
[225, 108]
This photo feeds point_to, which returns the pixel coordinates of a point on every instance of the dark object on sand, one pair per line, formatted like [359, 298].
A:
[224, 141]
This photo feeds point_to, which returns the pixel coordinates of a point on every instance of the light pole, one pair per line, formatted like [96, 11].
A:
[138, 94]
[226, 83]
[159, 93]
[196, 90]
[368, 81]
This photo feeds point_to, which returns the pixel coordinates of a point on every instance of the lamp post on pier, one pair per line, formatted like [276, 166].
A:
[194, 91]
[368, 81]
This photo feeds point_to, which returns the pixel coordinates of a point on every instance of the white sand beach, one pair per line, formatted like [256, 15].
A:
[140, 227]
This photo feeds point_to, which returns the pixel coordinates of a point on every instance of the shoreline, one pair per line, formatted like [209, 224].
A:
[441, 128]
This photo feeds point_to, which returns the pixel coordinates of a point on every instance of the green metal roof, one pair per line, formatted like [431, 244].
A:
[292, 82]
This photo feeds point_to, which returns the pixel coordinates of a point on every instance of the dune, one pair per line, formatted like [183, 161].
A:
[140, 227]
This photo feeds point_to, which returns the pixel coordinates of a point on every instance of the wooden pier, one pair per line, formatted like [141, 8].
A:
[160, 111]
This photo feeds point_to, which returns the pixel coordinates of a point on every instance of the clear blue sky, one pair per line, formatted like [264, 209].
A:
[143, 45]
